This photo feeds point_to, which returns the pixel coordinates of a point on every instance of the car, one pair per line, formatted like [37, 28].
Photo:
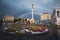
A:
[27, 30]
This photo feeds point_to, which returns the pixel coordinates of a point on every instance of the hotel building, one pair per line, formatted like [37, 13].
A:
[45, 17]
[8, 18]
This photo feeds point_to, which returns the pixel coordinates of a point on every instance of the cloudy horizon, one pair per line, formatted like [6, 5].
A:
[20, 8]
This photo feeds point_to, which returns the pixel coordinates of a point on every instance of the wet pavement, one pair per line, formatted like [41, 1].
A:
[51, 35]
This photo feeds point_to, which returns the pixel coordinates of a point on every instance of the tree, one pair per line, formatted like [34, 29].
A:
[25, 19]
[17, 20]
[1, 21]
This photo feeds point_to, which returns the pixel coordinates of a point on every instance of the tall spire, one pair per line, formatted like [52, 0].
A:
[32, 6]
[32, 19]
[32, 11]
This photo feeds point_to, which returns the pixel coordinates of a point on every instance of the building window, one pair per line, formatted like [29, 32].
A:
[58, 14]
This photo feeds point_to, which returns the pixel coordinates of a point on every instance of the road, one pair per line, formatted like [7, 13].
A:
[51, 35]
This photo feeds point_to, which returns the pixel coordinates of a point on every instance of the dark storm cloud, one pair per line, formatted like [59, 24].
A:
[21, 7]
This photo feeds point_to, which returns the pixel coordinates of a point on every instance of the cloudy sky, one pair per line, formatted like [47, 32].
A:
[22, 8]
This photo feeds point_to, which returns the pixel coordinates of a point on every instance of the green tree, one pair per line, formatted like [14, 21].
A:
[15, 20]
[19, 19]
[1, 21]
[25, 19]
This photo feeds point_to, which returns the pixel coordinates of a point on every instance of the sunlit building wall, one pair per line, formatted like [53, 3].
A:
[8, 19]
[46, 16]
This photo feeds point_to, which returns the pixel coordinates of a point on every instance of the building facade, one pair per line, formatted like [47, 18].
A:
[8, 19]
[45, 18]
[56, 16]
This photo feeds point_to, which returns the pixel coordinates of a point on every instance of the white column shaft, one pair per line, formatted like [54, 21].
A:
[32, 13]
